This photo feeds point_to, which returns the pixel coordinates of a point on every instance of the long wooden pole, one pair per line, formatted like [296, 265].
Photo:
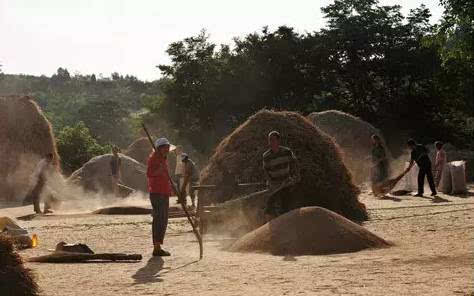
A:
[178, 193]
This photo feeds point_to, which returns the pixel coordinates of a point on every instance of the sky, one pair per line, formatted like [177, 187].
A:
[131, 36]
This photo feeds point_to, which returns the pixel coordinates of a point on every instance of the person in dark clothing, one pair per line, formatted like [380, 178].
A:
[281, 171]
[419, 155]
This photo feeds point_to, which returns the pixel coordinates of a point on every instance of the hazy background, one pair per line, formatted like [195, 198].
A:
[131, 37]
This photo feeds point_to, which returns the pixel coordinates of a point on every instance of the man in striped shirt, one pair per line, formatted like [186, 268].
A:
[281, 172]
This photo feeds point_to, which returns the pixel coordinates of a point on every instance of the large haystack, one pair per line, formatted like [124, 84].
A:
[95, 174]
[308, 231]
[15, 279]
[353, 135]
[325, 180]
[139, 150]
[25, 137]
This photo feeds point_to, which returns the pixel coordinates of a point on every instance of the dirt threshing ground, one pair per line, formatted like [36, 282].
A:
[433, 255]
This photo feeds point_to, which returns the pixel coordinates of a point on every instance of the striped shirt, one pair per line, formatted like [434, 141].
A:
[280, 165]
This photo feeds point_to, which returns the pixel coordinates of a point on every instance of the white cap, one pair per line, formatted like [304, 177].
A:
[163, 142]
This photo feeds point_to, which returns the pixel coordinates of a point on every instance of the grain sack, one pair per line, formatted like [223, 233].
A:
[445, 184]
[458, 177]
[308, 231]
[325, 180]
[353, 135]
[26, 136]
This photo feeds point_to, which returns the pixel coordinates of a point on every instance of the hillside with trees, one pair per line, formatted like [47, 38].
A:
[399, 72]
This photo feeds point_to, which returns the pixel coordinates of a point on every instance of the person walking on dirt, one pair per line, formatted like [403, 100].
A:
[379, 171]
[419, 155]
[190, 176]
[440, 162]
[115, 169]
[179, 169]
[160, 190]
[38, 179]
[281, 171]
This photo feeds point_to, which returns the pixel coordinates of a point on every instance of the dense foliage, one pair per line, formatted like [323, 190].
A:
[400, 73]
[76, 146]
[370, 61]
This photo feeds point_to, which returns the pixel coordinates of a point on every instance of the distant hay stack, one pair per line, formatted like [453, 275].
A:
[325, 181]
[15, 279]
[139, 150]
[353, 135]
[95, 175]
[26, 136]
[308, 231]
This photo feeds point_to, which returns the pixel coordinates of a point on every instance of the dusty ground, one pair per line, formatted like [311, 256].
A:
[433, 255]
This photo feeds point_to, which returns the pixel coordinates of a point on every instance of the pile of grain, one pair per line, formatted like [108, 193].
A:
[15, 279]
[25, 137]
[325, 181]
[353, 135]
[308, 231]
[95, 174]
[139, 150]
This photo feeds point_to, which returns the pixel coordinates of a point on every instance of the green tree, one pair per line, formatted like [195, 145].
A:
[76, 146]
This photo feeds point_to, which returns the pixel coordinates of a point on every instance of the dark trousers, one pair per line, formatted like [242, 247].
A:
[160, 206]
[278, 203]
[425, 171]
[35, 196]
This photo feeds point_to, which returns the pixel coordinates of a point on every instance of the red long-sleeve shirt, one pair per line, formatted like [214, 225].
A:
[157, 174]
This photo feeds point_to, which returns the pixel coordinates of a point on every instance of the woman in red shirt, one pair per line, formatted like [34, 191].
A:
[160, 190]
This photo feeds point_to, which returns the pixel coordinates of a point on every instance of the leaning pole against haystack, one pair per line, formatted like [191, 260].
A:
[325, 180]
[26, 136]
[353, 135]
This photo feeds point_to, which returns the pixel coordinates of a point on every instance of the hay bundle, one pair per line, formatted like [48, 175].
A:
[15, 279]
[308, 231]
[95, 174]
[25, 137]
[325, 181]
[353, 135]
[139, 150]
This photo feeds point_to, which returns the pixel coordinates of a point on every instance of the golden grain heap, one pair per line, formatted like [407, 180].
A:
[139, 150]
[325, 181]
[15, 279]
[308, 231]
[94, 175]
[26, 136]
[353, 135]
